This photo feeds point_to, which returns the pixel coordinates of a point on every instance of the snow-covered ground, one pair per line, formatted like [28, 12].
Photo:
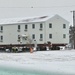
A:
[62, 62]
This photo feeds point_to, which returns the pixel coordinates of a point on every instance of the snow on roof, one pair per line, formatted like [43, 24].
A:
[34, 19]
[24, 20]
[27, 20]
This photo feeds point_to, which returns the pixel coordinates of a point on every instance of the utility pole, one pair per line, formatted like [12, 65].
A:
[73, 27]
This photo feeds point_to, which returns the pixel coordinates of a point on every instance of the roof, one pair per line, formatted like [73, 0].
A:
[26, 20]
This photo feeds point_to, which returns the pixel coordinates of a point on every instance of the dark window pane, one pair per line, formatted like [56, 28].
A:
[64, 25]
[26, 27]
[50, 35]
[1, 27]
[41, 35]
[19, 37]
[41, 25]
[18, 26]
[33, 26]
[64, 35]
[1, 37]
[33, 36]
[50, 25]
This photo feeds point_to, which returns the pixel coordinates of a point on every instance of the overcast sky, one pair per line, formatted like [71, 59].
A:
[28, 8]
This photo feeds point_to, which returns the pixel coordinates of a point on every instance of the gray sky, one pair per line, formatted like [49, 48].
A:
[28, 8]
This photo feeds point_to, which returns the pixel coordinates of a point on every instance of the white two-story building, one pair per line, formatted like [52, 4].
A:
[40, 29]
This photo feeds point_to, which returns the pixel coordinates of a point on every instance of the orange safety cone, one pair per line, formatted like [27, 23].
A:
[31, 50]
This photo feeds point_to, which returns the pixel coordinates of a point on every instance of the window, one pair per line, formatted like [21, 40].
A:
[50, 25]
[33, 26]
[64, 25]
[1, 38]
[41, 36]
[1, 28]
[33, 36]
[18, 27]
[64, 35]
[26, 26]
[41, 25]
[50, 36]
[18, 38]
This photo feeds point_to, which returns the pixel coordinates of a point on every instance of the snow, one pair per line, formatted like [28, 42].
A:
[24, 20]
[62, 61]
[28, 19]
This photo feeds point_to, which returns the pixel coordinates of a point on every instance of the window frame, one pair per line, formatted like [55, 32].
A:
[18, 37]
[1, 28]
[1, 38]
[64, 36]
[33, 26]
[26, 26]
[19, 27]
[33, 36]
[41, 25]
[64, 26]
[41, 36]
[50, 36]
[50, 25]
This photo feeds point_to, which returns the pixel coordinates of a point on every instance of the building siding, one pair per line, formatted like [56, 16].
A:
[10, 32]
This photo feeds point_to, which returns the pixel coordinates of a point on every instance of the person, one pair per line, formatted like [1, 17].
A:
[31, 50]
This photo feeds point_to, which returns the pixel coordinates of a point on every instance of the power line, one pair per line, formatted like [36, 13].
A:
[41, 7]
